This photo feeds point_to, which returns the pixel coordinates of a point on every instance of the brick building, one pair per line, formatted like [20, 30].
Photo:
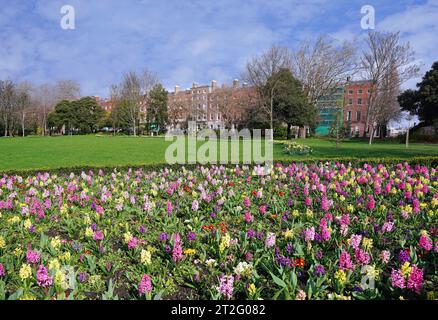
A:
[206, 104]
[351, 100]
[356, 95]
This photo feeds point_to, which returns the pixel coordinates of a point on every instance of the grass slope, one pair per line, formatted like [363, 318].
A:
[42, 153]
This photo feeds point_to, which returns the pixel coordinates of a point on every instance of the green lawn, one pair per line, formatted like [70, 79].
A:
[94, 151]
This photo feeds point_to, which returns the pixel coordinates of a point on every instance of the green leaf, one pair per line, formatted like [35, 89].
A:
[278, 281]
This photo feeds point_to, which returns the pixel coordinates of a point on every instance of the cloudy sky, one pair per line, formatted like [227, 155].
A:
[185, 41]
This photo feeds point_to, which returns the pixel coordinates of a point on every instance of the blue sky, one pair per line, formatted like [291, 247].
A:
[185, 41]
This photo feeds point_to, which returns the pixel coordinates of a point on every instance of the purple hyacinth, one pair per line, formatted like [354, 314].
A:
[43, 278]
[319, 270]
[191, 236]
[163, 236]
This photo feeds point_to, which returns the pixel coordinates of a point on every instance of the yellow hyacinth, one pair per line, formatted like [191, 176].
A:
[55, 242]
[18, 251]
[225, 242]
[89, 232]
[54, 264]
[145, 257]
[189, 251]
[367, 243]
[252, 289]
[340, 276]
[288, 234]
[406, 269]
[25, 271]
[2, 242]
[27, 223]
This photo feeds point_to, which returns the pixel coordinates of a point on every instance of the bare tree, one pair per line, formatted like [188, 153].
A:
[257, 73]
[67, 90]
[24, 103]
[134, 91]
[179, 111]
[387, 64]
[7, 97]
[323, 66]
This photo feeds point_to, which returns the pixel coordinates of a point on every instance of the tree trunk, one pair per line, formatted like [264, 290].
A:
[407, 139]
[6, 127]
[288, 135]
[371, 135]
[22, 123]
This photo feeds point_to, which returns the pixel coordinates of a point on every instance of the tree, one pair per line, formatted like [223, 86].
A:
[291, 105]
[67, 90]
[423, 101]
[83, 115]
[157, 107]
[323, 66]
[7, 97]
[257, 72]
[24, 103]
[384, 58]
[134, 91]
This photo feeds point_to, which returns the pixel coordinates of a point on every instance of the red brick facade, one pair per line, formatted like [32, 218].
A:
[356, 97]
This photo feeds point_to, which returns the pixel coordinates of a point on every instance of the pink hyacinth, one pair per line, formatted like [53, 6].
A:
[177, 248]
[98, 235]
[246, 202]
[371, 204]
[2, 270]
[248, 217]
[362, 257]
[263, 210]
[133, 243]
[345, 261]
[308, 201]
[226, 286]
[32, 256]
[169, 207]
[270, 240]
[384, 256]
[387, 227]
[397, 280]
[195, 205]
[43, 278]
[415, 281]
[355, 241]
[145, 286]
[325, 204]
[309, 234]
[425, 242]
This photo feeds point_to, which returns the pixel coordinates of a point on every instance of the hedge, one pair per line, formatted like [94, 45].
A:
[431, 161]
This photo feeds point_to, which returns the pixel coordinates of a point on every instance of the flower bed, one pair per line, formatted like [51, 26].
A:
[295, 148]
[316, 231]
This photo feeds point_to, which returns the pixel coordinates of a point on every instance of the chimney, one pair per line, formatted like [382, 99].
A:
[235, 83]
[194, 85]
[213, 84]
[348, 79]
[177, 89]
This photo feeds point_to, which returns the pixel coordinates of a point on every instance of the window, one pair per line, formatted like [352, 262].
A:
[349, 116]
[350, 101]
[358, 116]
[359, 101]
[360, 91]
[350, 92]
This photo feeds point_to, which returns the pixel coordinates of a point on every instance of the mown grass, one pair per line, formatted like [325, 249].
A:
[43, 153]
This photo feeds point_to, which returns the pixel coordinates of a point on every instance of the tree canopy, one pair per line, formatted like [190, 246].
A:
[423, 101]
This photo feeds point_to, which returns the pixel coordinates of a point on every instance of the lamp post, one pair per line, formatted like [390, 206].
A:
[409, 118]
